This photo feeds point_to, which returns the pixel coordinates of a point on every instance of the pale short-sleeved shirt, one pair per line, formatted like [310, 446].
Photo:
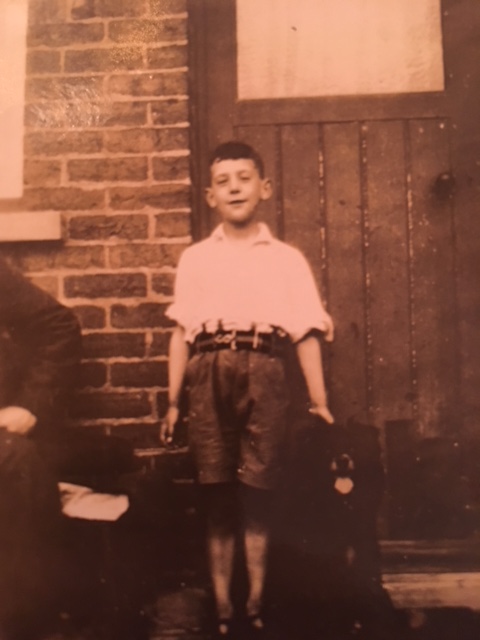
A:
[258, 285]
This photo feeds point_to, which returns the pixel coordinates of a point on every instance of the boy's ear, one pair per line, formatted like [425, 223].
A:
[210, 197]
[267, 189]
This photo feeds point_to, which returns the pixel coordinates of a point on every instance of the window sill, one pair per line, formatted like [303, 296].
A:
[30, 226]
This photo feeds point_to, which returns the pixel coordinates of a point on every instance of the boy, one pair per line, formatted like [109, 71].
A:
[239, 296]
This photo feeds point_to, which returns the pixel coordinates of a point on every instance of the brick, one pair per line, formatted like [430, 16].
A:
[171, 225]
[64, 114]
[160, 197]
[43, 62]
[92, 374]
[169, 57]
[140, 435]
[62, 199]
[11, 204]
[139, 374]
[169, 169]
[146, 140]
[162, 403]
[77, 89]
[45, 173]
[111, 169]
[64, 35]
[54, 144]
[149, 84]
[46, 283]
[144, 315]
[125, 114]
[90, 317]
[168, 112]
[126, 227]
[146, 255]
[167, 7]
[75, 114]
[144, 31]
[43, 257]
[109, 345]
[104, 59]
[159, 345]
[84, 9]
[111, 405]
[163, 283]
[43, 11]
[111, 285]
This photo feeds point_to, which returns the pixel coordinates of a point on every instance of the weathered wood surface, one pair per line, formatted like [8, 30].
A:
[393, 243]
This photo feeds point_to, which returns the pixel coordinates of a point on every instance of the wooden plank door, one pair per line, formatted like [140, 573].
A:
[381, 193]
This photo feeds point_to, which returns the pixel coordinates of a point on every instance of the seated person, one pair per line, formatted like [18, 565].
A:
[40, 345]
[40, 351]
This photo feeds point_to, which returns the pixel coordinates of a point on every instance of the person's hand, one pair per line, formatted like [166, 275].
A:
[167, 427]
[17, 420]
[322, 411]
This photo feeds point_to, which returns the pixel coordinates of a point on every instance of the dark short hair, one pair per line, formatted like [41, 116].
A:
[235, 150]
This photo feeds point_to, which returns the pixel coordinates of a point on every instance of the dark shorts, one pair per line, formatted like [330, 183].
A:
[237, 416]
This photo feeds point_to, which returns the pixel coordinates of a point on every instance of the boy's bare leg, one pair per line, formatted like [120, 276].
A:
[256, 552]
[256, 512]
[222, 517]
[221, 551]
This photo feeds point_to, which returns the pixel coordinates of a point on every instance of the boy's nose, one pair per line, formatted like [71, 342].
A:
[234, 186]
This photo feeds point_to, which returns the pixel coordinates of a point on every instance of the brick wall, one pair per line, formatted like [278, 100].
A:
[107, 145]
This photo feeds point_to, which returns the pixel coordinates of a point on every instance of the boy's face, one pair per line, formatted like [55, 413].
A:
[236, 189]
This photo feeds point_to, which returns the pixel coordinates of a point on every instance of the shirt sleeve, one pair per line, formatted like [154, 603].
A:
[307, 311]
[182, 310]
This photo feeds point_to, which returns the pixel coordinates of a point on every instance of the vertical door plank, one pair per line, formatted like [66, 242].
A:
[346, 285]
[461, 26]
[387, 261]
[435, 332]
[302, 223]
[301, 192]
[221, 81]
[213, 92]
[264, 140]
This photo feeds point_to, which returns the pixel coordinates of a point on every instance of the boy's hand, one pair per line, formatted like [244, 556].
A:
[322, 411]
[17, 420]
[167, 427]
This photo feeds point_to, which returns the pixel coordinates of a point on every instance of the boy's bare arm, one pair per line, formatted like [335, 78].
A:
[310, 357]
[177, 364]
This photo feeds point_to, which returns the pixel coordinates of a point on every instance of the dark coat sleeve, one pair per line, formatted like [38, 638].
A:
[47, 343]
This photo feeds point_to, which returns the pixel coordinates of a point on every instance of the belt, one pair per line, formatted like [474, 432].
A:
[271, 343]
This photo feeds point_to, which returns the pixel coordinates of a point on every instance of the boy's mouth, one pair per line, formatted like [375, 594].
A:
[235, 202]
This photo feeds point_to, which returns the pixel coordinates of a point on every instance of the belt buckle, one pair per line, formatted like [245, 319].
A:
[229, 338]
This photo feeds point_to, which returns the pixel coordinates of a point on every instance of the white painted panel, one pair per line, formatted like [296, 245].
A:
[30, 225]
[295, 48]
[13, 29]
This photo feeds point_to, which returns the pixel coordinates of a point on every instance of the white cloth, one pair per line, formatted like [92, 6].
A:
[86, 504]
[264, 283]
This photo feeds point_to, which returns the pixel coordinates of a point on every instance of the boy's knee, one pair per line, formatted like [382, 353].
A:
[256, 505]
[220, 503]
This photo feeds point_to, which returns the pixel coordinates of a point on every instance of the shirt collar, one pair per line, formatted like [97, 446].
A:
[263, 236]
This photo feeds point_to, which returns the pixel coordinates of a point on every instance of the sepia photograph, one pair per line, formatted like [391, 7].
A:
[239, 319]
